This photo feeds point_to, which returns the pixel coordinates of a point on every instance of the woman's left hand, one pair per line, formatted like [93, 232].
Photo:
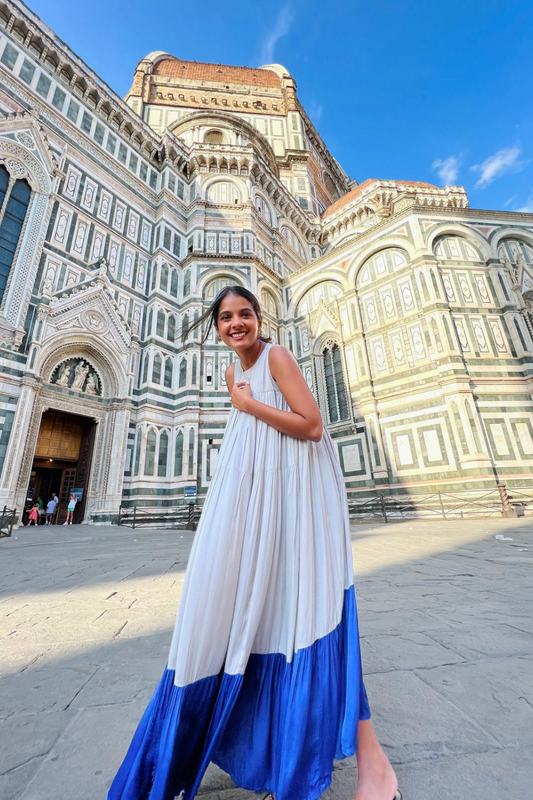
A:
[241, 394]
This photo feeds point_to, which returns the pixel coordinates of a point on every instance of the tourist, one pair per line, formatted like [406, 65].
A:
[264, 673]
[41, 509]
[50, 511]
[70, 508]
[33, 516]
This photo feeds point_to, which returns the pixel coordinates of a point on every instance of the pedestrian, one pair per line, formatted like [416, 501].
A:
[50, 511]
[264, 672]
[70, 509]
[33, 516]
[41, 509]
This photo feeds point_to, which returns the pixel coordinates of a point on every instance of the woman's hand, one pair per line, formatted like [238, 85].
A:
[241, 394]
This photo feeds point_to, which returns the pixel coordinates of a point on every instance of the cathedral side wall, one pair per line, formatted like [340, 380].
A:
[412, 323]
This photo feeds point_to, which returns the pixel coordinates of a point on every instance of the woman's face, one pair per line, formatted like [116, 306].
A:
[237, 324]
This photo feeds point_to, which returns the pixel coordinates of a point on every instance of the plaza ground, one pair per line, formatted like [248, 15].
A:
[447, 641]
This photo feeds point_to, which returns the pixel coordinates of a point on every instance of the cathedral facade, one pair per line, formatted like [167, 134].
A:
[410, 313]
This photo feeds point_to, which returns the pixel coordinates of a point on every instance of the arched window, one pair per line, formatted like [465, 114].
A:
[224, 193]
[186, 282]
[171, 328]
[15, 200]
[163, 455]
[268, 304]
[145, 367]
[160, 328]
[156, 369]
[163, 279]
[263, 208]
[212, 288]
[137, 456]
[183, 373]
[168, 373]
[194, 369]
[149, 324]
[293, 241]
[178, 454]
[335, 386]
[185, 322]
[191, 450]
[149, 461]
[214, 137]
[174, 283]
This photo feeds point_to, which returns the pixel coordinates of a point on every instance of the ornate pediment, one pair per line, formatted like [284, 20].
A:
[25, 150]
[88, 308]
[322, 319]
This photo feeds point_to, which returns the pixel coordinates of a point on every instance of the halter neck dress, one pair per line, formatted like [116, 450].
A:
[264, 672]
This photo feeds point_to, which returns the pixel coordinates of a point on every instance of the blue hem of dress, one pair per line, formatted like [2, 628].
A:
[277, 728]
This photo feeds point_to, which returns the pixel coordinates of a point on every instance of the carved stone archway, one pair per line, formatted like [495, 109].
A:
[98, 398]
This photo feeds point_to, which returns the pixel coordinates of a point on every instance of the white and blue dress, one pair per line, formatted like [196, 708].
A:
[264, 672]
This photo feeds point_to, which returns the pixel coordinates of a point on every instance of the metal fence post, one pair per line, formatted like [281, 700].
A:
[507, 508]
[441, 505]
[383, 508]
[134, 512]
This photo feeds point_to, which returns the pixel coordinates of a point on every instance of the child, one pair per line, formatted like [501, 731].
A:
[70, 509]
[264, 672]
[34, 514]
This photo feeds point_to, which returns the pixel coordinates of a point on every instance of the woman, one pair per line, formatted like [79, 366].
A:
[71, 509]
[264, 672]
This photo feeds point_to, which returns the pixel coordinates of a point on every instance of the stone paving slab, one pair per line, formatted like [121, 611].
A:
[86, 617]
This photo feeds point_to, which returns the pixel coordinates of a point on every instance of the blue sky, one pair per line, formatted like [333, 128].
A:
[437, 92]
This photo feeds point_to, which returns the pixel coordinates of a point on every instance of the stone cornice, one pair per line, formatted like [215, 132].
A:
[31, 33]
[457, 215]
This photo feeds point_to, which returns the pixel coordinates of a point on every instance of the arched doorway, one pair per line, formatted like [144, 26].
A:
[74, 424]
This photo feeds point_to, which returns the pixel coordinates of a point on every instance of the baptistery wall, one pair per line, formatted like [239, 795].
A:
[410, 314]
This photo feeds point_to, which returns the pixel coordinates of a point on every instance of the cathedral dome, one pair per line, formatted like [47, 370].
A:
[171, 67]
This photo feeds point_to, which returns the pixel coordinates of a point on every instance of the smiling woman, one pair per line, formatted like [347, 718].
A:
[264, 673]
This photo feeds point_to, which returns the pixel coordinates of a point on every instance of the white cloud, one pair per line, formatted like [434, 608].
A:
[447, 169]
[509, 201]
[281, 28]
[528, 207]
[505, 160]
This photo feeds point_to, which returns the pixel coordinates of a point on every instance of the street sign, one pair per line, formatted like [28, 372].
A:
[190, 492]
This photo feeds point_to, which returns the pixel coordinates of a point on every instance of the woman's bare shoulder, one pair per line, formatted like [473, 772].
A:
[230, 376]
[280, 355]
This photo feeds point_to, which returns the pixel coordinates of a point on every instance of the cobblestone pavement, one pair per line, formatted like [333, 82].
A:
[447, 639]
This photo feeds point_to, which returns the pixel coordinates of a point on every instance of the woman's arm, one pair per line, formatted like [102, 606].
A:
[304, 420]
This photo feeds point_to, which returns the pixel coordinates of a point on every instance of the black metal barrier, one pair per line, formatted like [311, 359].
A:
[185, 516]
[8, 517]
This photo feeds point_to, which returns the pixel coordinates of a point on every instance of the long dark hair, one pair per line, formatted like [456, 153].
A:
[212, 312]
